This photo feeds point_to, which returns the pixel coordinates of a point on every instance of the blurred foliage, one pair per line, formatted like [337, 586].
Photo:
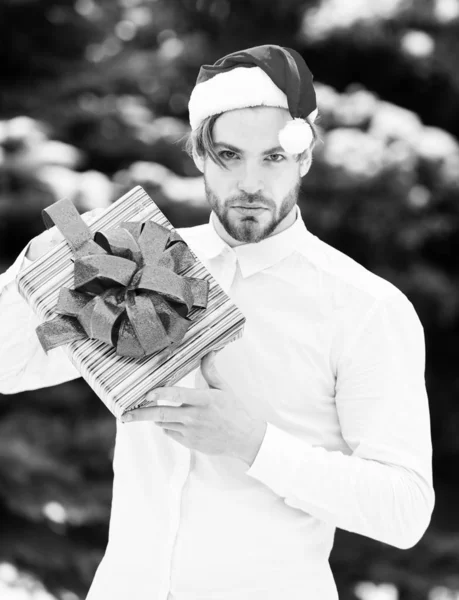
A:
[94, 101]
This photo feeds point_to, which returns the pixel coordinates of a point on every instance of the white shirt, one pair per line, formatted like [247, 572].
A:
[332, 357]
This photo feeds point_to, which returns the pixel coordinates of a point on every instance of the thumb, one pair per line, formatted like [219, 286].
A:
[210, 373]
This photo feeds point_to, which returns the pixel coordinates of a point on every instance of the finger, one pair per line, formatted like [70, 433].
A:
[210, 372]
[177, 436]
[92, 215]
[161, 414]
[55, 236]
[177, 396]
[167, 396]
[176, 427]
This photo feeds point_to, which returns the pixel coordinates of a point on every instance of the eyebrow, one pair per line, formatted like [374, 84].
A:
[274, 150]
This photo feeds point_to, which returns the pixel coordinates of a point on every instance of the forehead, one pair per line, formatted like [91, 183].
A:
[251, 129]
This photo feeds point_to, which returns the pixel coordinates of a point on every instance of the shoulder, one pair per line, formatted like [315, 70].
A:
[193, 234]
[355, 296]
[363, 304]
[197, 238]
[347, 280]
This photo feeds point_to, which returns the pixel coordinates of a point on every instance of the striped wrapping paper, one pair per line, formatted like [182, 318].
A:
[122, 382]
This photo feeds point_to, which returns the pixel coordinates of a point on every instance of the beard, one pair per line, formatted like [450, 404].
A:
[245, 228]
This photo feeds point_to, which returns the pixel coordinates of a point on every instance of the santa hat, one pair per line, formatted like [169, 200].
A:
[261, 76]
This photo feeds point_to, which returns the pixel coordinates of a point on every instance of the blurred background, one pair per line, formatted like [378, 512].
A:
[93, 101]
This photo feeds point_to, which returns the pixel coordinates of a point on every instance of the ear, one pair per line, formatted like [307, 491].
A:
[305, 163]
[198, 161]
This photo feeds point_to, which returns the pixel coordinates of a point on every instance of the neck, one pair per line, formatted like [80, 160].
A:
[226, 237]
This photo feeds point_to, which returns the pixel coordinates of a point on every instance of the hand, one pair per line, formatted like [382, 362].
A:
[213, 421]
[51, 237]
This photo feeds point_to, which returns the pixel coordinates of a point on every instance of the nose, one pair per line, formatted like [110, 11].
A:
[250, 180]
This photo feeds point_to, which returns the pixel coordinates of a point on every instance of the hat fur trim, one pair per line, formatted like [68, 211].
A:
[241, 87]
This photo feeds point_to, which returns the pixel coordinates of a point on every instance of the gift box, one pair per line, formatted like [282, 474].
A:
[126, 298]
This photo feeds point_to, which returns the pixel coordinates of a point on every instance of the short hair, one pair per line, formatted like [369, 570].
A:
[201, 140]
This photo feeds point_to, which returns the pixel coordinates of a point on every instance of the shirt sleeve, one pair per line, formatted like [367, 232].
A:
[383, 488]
[24, 365]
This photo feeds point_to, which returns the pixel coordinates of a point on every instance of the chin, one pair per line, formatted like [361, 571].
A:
[249, 230]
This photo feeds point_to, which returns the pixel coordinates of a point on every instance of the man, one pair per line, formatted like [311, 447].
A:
[231, 487]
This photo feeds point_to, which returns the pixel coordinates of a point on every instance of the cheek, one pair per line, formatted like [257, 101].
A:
[282, 181]
[221, 181]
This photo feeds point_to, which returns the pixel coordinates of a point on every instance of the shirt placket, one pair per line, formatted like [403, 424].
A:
[224, 269]
[178, 484]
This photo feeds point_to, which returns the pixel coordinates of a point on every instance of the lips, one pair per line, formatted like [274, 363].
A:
[248, 206]
[249, 211]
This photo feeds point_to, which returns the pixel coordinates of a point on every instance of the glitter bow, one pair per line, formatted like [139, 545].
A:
[128, 291]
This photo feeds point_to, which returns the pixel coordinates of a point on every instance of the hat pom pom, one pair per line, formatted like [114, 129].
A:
[296, 136]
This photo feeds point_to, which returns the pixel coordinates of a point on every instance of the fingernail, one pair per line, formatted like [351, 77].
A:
[152, 397]
[127, 418]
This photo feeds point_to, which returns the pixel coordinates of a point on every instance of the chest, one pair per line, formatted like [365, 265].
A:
[281, 366]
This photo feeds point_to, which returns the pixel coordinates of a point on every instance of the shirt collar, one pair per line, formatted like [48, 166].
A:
[258, 256]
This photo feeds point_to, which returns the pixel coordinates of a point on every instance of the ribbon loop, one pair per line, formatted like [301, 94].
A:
[175, 324]
[58, 331]
[98, 318]
[94, 274]
[128, 344]
[70, 302]
[66, 218]
[177, 257]
[119, 242]
[200, 291]
[152, 241]
[167, 283]
[147, 325]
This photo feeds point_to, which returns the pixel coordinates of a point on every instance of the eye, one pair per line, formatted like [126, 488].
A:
[227, 155]
[275, 157]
